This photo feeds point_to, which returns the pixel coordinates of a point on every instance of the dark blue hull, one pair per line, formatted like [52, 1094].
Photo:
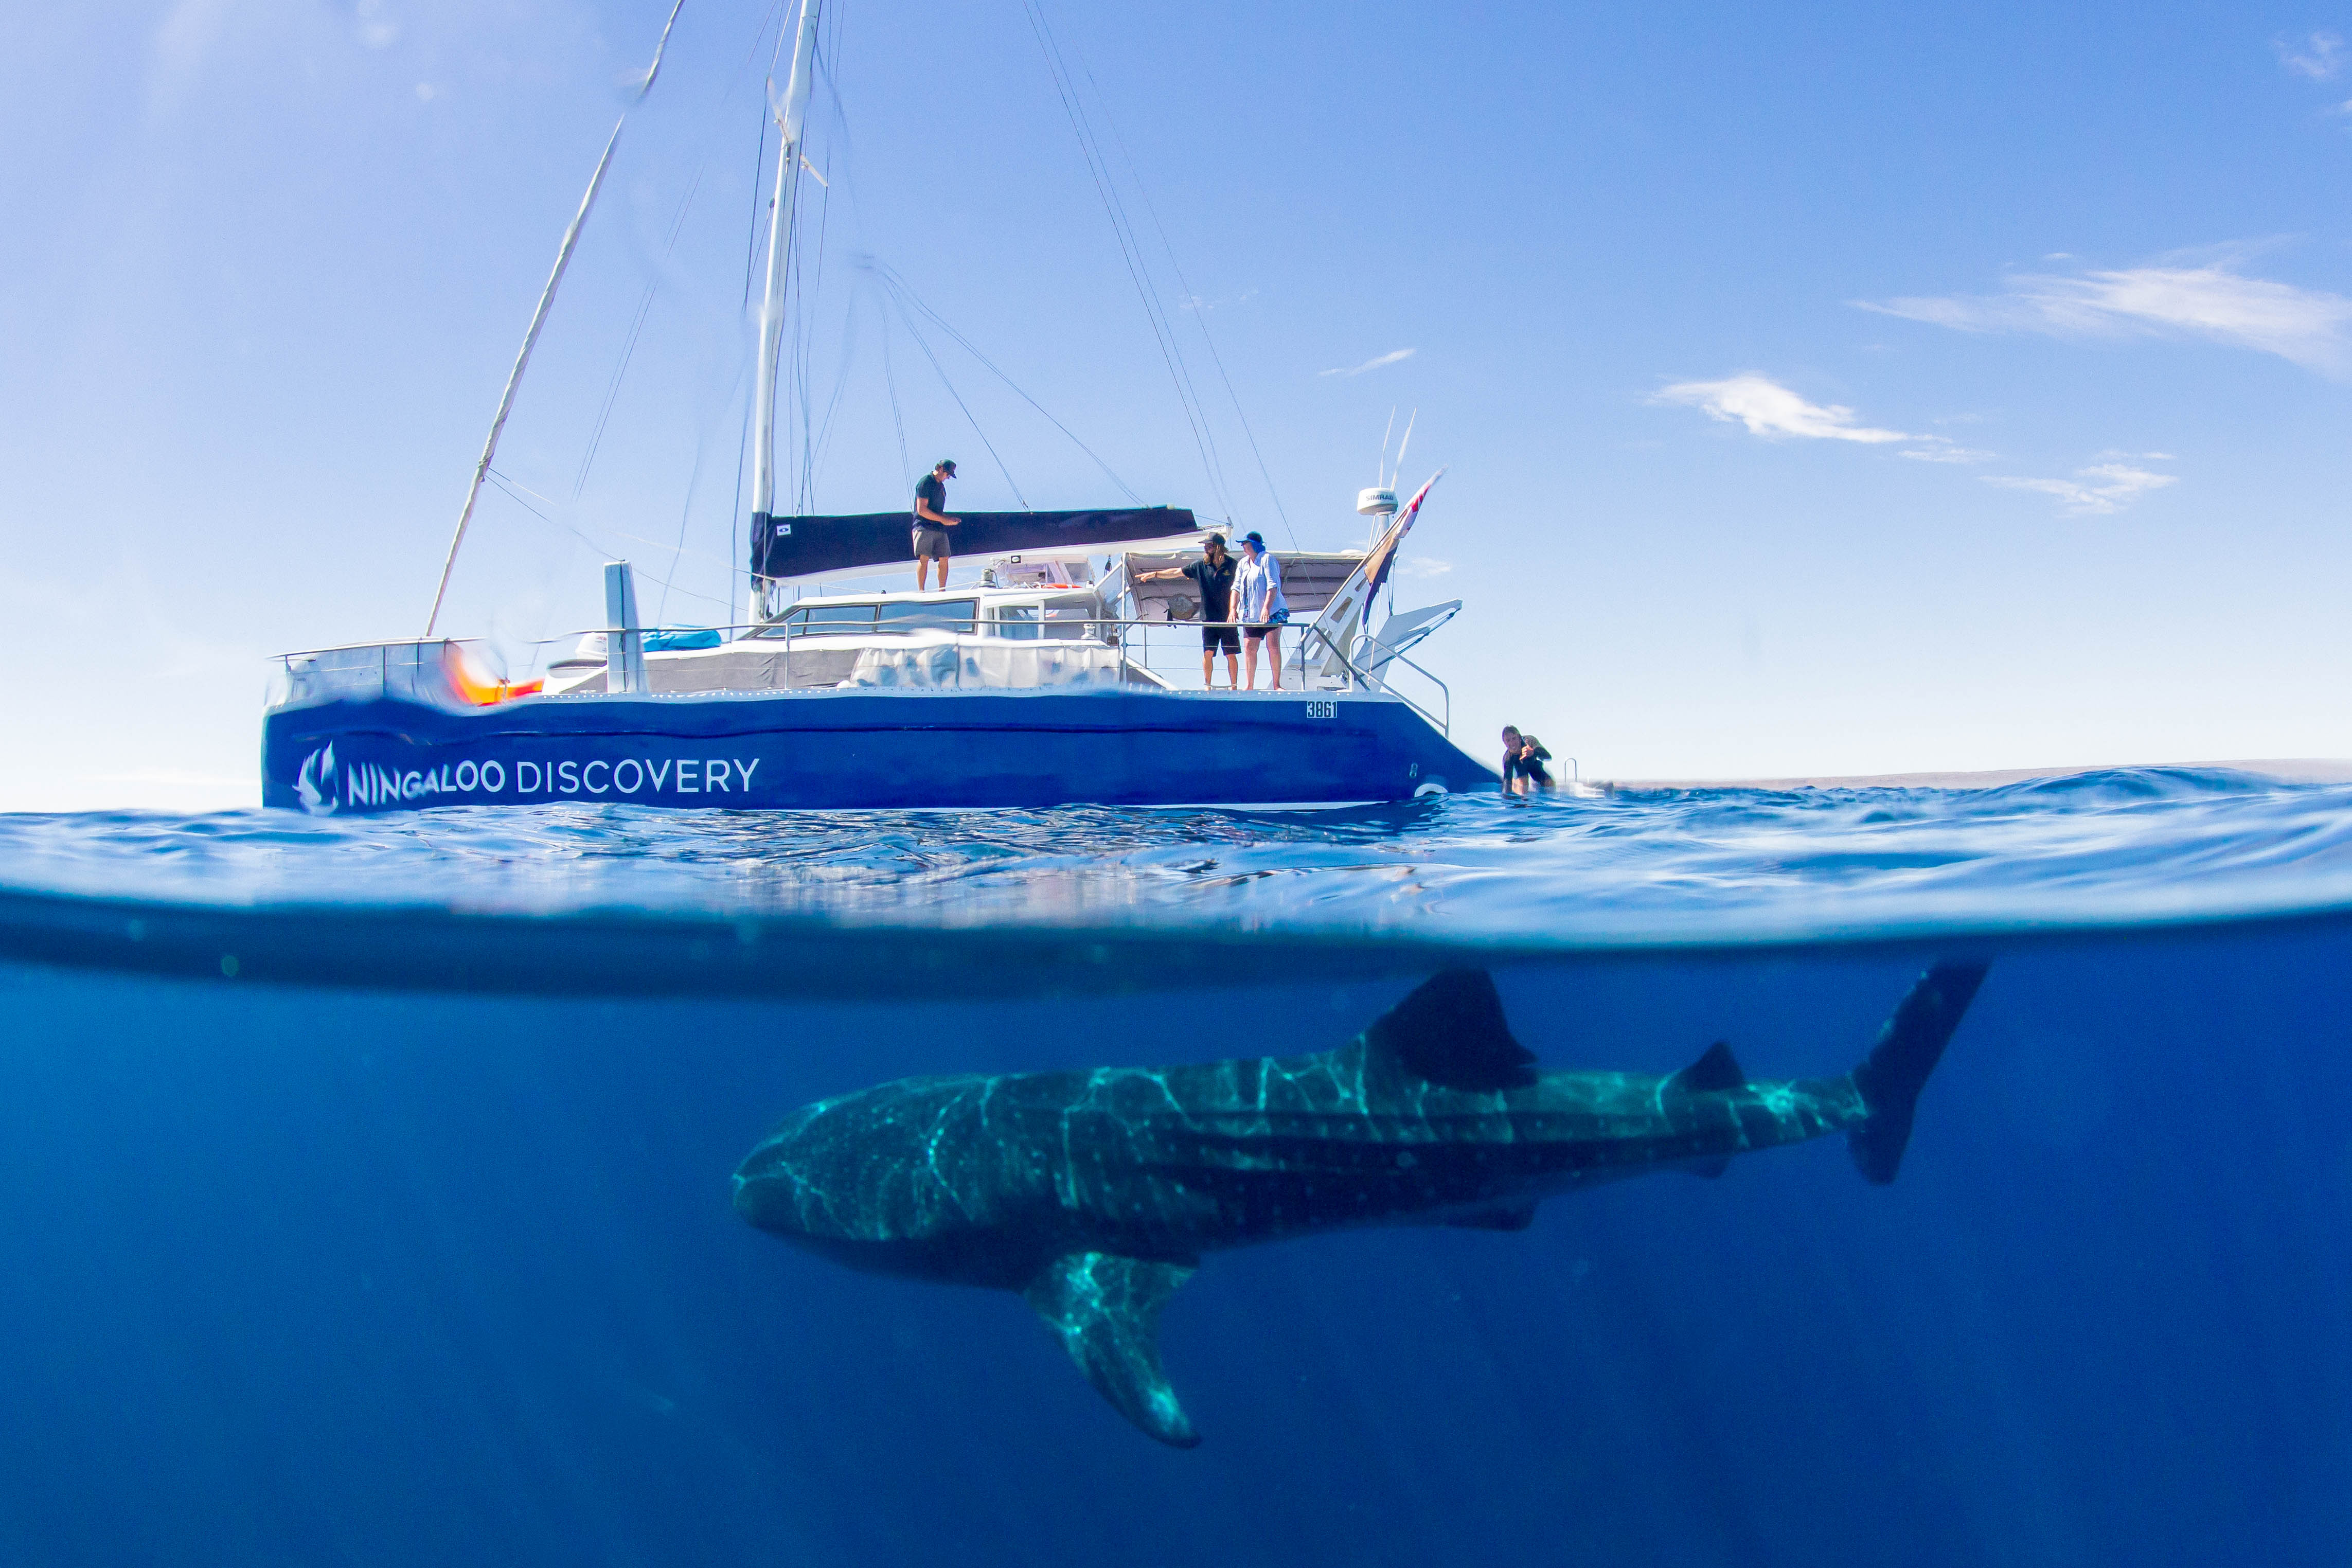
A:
[835, 750]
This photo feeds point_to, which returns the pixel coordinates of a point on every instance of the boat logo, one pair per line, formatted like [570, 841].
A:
[315, 788]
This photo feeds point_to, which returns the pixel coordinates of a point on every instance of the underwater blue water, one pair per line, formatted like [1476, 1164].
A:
[366, 1199]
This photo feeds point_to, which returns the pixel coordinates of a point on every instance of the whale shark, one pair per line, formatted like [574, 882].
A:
[1095, 1194]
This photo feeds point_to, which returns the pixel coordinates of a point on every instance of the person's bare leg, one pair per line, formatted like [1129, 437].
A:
[1273, 658]
[1249, 661]
[1209, 668]
[1233, 672]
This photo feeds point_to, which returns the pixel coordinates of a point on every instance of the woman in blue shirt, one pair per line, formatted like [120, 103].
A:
[1261, 608]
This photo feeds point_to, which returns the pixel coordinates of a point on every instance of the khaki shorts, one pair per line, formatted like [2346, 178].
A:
[931, 543]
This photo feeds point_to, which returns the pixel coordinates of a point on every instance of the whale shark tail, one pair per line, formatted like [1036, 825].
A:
[1910, 1044]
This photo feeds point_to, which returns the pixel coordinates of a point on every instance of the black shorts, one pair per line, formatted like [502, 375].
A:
[1257, 634]
[931, 541]
[1227, 636]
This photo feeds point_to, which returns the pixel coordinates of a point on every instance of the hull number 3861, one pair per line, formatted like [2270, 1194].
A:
[1322, 709]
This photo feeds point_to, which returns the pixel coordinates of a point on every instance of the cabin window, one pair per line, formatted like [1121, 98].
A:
[1071, 617]
[1017, 621]
[941, 614]
[823, 620]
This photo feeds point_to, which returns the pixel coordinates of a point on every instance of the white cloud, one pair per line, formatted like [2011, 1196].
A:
[1771, 410]
[1373, 364]
[375, 29]
[2318, 57]
[1944, 452]
[2097, 490]
[1424, 566]
[2304, 325]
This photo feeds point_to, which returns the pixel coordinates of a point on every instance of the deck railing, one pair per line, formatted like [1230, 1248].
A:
[1151, 651]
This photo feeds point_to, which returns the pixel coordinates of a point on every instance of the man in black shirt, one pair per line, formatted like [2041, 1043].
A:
[1213, 575]
[931, 524]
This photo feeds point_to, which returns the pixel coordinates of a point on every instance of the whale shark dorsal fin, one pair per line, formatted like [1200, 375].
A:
[1105, 1309]
[1713, 1073]
[1451, 1032]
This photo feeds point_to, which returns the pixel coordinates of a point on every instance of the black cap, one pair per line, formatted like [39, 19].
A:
[946, 463]
[1216, 539]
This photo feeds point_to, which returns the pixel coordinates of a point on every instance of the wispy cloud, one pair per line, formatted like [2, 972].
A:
[1373, 364]
[1424, 566]
[2098, 490]
[1771, 410]
[376, 29]
[1935, 449]
[2305, 326]
[2319, 57]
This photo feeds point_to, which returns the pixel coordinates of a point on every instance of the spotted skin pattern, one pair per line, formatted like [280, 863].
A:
[1096, 1193]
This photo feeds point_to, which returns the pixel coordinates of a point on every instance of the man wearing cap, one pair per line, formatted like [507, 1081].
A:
[1213, 575]
[931, 524]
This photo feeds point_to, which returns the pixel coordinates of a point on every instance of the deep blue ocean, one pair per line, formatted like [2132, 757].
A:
[364, 1187]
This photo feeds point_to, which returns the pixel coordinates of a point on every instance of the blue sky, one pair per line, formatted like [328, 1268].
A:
[1822, 389]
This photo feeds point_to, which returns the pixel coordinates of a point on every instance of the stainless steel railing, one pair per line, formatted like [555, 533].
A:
[1143, 649]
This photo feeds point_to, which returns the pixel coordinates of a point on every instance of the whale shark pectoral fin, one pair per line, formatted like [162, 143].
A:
[1451, 1032]
[1105, 1311]
[1713, 1073]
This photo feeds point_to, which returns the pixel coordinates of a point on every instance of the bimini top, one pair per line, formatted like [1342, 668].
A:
[810, 546]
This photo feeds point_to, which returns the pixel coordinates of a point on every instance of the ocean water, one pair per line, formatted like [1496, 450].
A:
[366, 1192]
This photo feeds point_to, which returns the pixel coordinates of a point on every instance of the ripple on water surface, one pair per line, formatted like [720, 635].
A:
[1666, 868]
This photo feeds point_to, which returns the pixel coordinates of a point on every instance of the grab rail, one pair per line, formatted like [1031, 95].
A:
[1132, 637]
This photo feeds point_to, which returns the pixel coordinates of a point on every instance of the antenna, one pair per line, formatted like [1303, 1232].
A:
[1379, 502]
[1399, 470]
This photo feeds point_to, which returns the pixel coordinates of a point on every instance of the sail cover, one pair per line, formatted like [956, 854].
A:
[807, 546]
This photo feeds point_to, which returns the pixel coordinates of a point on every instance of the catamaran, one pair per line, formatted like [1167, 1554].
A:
[1055, 680]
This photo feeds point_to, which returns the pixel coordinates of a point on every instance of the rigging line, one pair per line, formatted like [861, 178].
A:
[1153, 303]
[1098, 170]
[500, 480]
[805, 349]
[539, 319]
[678, 225]
[1200, 311]
[892, 281]
[890, 379]
[840, 384]
[916, 332]
[693, 480]
[751, 249]
[517, 490]
[637, 328]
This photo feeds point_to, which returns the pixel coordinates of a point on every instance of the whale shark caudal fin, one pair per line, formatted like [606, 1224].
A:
[1105, 1311]
[1451, 1032]
[1910, 1044]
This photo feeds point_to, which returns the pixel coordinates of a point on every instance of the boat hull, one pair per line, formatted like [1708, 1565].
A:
[850, 750]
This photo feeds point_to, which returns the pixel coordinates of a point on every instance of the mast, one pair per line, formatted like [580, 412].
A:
[789, 115]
